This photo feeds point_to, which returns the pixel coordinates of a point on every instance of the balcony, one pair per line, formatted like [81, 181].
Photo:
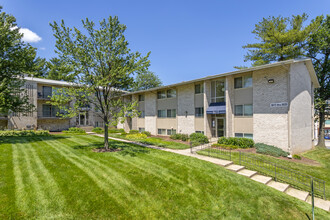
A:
[44, 96]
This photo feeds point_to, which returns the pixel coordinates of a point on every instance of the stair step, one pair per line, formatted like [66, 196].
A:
[299, 194]
[279, 186]
[235, 167]
[261, 179]
[247, 173]
[320, 203]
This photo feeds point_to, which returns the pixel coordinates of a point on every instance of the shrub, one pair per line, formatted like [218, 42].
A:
[133, 131]
[98, 130]
[295, 156]
[115, 130]
[270, 150]
[182, 137]
[136, 136]
[146, 133]
[75, 130]
[228, 147]
[239, 142]
[13, 133]
[198, 139]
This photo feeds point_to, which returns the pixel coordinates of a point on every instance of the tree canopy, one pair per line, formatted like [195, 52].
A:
[16, 59]
[103, 66]
[146, 80]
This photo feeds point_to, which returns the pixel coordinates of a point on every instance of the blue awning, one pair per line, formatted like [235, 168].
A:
[216, 108]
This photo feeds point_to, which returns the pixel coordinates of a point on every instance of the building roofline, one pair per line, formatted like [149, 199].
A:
[286, 62]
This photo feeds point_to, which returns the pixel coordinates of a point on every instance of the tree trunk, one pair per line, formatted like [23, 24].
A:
[321, 140]
[106, 133]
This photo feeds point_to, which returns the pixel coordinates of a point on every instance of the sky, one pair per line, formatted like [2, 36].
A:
[187, 39]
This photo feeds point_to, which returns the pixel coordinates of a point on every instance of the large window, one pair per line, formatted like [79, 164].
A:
[171, 93]
[46, 92]
[218, 91]
[171, 113]
[199, 112]
[199, 88]
[49, 110]
[171, 131]
[162, 131]
[161, 95]
[141, 98]
[243, 82]
[243, 110]
[161, 114]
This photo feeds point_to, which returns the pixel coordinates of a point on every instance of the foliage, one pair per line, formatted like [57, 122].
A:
[146, 80]
[178, 136]
[137, 136]
[239, 142]
[75, 130]
[103, 66]
[115, 130]
[16, 58]
[57, 69]
[146, 133]
[14, 133]
[225, 146]
[98, 130]
[270, 150]
[295, 156]
[197, 139]
[133, 131]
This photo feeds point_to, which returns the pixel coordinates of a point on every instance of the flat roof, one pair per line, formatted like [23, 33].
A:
[49, 81]
[308, 61]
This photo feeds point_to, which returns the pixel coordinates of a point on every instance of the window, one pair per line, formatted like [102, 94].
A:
[171, 93]
[199, 112]
[141, 98]
[49, 111]
[171, 131]
[141, 130]
[218, 91]
[171, 113]
[201, 132]
[161, 95]
[243, 110]
[199, 88]
[248, 135]
[161, 113]
[162, 131]
[245, 135]
[46, 92]
[240, 135]
[141, 114]
[243, 82]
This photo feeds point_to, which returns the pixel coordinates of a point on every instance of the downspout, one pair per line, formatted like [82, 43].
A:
[289, 110]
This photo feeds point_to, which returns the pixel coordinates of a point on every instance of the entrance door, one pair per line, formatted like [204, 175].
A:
[82, 119]
[220, 127]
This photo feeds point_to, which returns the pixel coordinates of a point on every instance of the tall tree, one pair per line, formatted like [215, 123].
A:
[16, 58]
[146, 80]
[59, 70]
[103, 66]
[287, 38]
[318, 48]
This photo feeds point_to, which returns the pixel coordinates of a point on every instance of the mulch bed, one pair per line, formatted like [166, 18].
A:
[103, 150]
[167, 138]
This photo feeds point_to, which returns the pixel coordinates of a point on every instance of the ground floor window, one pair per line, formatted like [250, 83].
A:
[201, 132]
[141, 130]
[171, 131]
[162, 131]
[245, 135]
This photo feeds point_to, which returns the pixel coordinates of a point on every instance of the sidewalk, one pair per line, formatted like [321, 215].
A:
[286, 188]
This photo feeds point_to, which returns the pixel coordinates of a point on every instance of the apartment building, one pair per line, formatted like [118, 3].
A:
[272, 104]
[45, 117]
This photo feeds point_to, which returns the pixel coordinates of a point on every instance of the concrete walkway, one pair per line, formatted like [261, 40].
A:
[283, 187]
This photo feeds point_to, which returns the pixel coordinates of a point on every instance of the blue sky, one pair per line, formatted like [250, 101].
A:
[187, 39]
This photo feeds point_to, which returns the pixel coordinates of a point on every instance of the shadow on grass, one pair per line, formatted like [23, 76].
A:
[28, 139]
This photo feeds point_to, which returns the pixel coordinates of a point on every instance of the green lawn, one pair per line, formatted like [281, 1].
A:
[60, 177]
[321, 155]
[154, 141]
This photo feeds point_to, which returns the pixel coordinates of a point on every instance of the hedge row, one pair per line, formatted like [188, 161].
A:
[13, 133]
[239, 142]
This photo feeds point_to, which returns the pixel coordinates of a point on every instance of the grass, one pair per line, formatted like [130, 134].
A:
[154, 141]
[60, 177]
[321, 155]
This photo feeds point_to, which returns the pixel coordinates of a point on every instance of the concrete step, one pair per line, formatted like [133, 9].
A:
[299, 194]
[279, 186]
[235, 168]
[247, 173]
[261, 179]
[320, 203]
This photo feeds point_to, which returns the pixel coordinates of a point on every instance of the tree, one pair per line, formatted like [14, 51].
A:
[58, 70]
[280, 39]
[16, 59]
[285, 38]
[103, 67]
[318, 48]
[146, 80]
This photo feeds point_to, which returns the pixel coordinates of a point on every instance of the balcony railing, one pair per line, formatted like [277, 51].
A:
[44, 95]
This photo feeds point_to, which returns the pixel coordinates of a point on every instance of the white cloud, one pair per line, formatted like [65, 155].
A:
[42, 48]
[29, 36]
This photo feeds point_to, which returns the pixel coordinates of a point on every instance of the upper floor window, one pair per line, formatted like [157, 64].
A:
[199, 88]
[243, 82]
[141, 98]
[199, 112]
[243, 110]
[171, 93]
[161, 114]
[161, 95]
[141, 114]
[218, 91]
[46, 92]
[171, 113]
